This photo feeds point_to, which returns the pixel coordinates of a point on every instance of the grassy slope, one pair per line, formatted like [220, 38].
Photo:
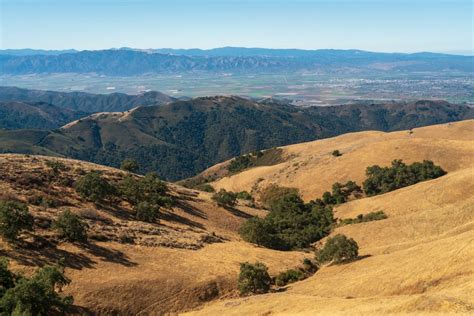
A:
[171, 266]
[312, 169]
[419, 260]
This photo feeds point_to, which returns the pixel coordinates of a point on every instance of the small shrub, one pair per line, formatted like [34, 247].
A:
[56, 166]
[253, 278]
[14, 218]
[289, 276]
[129, 165]
[225, 198]
[93, 187]
[244, 195]
[146, 212]
[336, 153]
[71, 227]
[338, 249]
[206, 187]
[361, 218]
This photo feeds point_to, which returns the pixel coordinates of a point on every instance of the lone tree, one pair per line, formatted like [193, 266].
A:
[254, 278]
[93, 187]
[336, 153]
[338, 249]
[146, 212]
[14, 217]
[129, 165]
[71, 227]
[225, 198]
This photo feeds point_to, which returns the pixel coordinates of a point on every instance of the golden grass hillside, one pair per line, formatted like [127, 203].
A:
[420, 260]
[130, 267]
[312, 168]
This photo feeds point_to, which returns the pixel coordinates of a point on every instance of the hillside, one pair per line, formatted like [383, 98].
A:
[38, 115]
[417, 261]
[129, 62]
[85, 102]
[182, 138]
[312, 168]
[190, 256]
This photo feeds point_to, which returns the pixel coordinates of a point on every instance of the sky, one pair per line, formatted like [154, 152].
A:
[375, 25]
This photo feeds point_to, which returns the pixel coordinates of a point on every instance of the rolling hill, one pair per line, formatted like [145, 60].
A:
[38, 115]
[190, 256]
[417, 261]
[84, 102]
[301, 162]
[182, 138]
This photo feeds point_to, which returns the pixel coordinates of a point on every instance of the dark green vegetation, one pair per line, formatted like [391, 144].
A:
[385, 179]
[180, 139]
[148, 189]
[35, 115]
[206, 187]
[93, 187]
[14, 218]
[361, 218]
[37, 295]
[71, 227]
[290, 224]
[147, 212]
[342, 192]
[289, 276]
[225, 198]
[233, 59]
[336, 153]
[129, 165]
[254, 278]
[80, 101]
[260, 158]
[338, 249]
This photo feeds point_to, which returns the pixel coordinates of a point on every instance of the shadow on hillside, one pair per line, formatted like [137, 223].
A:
[354, 260]
[172, 217]
[116, 211]
[29, 254]
[109, 255]
[48, 255]
[236, 212]
[191, 210]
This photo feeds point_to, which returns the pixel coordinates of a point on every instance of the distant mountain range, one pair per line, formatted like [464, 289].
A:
[127, 62]
[181, 138]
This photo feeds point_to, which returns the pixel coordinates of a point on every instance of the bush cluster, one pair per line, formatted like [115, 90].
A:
[361, 218]
[338, 249]
[341, 193]
[93, 187]
[289, 276]
[398, 175]
[206, 187]
[225, 198]
[71, 227]
[254, 278]
[33, 296]
[290, 224]
[273, 192]
[146, 194]
[129, 165]
[14, 218]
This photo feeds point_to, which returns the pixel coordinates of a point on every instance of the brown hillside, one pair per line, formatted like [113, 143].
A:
[312, 169]
[130, 267]
[418, 261]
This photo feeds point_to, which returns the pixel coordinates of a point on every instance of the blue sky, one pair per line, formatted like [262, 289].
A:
[376, 25]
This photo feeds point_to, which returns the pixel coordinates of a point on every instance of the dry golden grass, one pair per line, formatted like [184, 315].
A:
[420, 260]
[312, 169]
[191, 256]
